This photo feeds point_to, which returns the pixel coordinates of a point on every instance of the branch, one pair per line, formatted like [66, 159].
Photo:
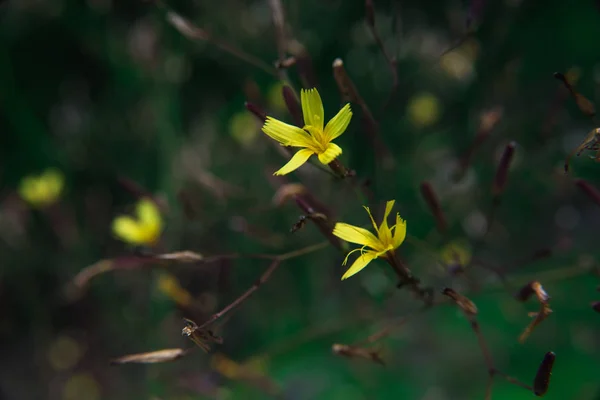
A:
[469, 309]
[192, 32]
[276, 262]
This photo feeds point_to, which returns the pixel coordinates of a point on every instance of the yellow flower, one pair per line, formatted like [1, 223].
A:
[170, 286]
[313, 138]
[456, 252]
[143, 231]
[43, 190]
[387, 240]
[424, 110]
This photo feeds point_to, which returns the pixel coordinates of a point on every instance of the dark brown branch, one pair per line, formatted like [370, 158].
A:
[469, 309]
[192, 32]
[276, 262]
[263, 278]
[542, 297]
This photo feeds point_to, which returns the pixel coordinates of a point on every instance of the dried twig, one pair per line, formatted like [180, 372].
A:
[82, 279]
[542, 297]
[469, 309]
[275, 263]
[152, 357]
[192, 32]
[357, 352]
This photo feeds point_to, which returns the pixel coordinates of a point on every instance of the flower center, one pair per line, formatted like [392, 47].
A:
[318, 136]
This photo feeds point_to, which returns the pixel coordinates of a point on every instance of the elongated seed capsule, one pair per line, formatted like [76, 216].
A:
[525, 292]
[434, 206]
[502, 170]
[256, 110]
[293, 106]
[542, 377]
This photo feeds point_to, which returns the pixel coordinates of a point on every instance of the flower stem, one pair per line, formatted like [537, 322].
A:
[340, 170]
[406, 278]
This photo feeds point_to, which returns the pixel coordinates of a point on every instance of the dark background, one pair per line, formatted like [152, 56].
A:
[108, 91]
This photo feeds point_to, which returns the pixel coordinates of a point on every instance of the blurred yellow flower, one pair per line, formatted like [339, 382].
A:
[387, 240]
[243, 128]
[43, 190]
[424, 110]
[274, 97]
[456, 252]
[145, 230]
[169, 285]
[313, 138]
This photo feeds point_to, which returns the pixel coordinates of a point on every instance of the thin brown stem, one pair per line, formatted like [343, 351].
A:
[263, 278]
[277, 261]
[192, 32]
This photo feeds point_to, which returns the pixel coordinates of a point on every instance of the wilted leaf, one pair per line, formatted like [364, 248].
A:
[185, 256]
[151, 357]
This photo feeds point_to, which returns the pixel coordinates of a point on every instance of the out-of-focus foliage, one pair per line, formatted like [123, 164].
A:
[125, 106]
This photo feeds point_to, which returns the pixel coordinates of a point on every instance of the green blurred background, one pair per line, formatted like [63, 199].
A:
[110, 92]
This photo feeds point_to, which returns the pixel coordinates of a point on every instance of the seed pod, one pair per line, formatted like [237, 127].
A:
[434, 206]
[293, 106]
[502, 170]
[542, 377]
[525, 292]
[256, 110]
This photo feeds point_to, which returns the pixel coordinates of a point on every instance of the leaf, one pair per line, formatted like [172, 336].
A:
[152, 357]
[185, 256]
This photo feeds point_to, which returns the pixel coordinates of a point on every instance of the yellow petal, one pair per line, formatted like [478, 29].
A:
[385, 235]
[312, 108]
[128, 230]
[297, 160]
[28, 189]
[286, 134]
[360, 263]
[55, 181]
[149, 216]
[399, 231]
[338, 124]
[372, 220]
[354, 234]
[332, 152]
